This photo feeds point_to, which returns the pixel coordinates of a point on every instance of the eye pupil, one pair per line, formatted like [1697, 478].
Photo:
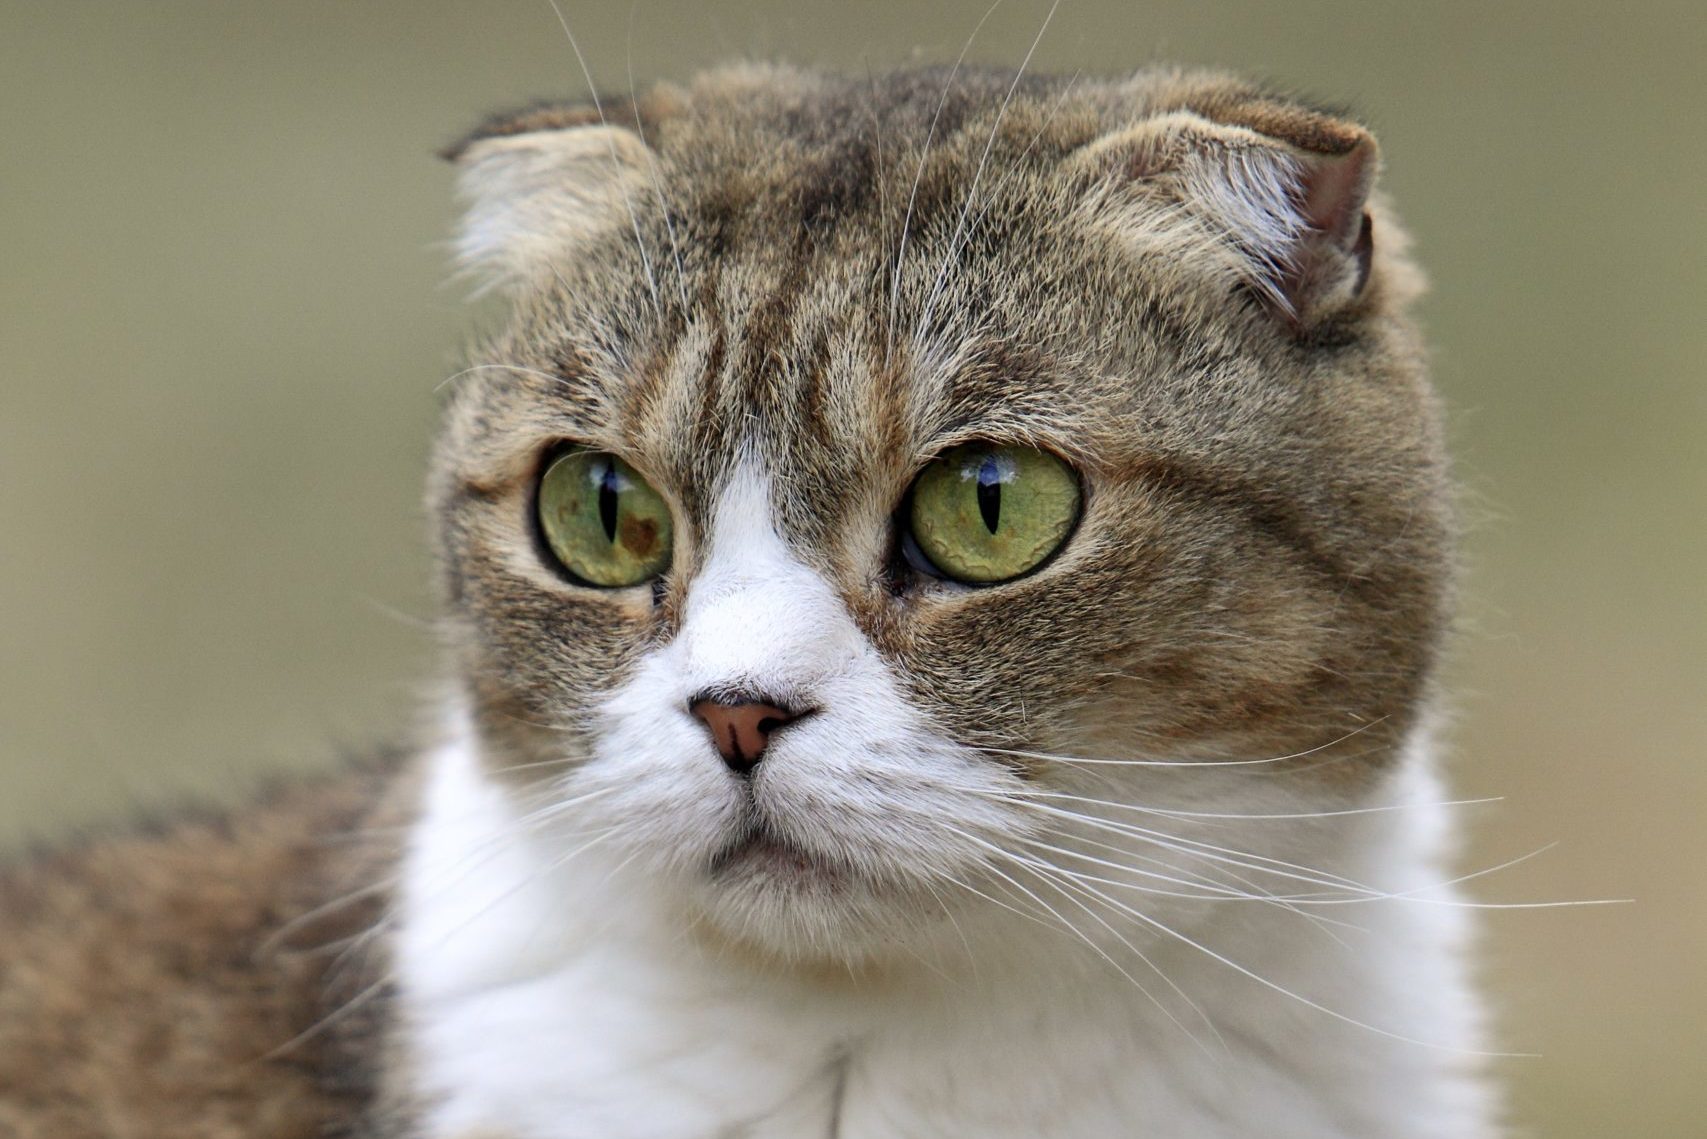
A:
[990, 493]
[602, 523]
[608, 499]
[984, 513]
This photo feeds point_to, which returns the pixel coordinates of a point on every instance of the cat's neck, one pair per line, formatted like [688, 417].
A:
[550, 997]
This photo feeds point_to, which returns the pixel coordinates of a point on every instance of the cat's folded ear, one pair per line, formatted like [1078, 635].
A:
[537, 182]
[1282, 193]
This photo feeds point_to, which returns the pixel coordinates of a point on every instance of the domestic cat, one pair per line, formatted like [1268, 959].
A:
[943, 577]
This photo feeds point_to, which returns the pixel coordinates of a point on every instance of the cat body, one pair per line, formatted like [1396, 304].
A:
[943, 576]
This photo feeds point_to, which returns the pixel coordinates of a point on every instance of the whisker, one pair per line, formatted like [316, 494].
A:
[551, 867]
[616, 163]
[1385, 808]
[1362, 894]
[1214, 891]
[1074, 761]
[1098, 896]
[923, 324]
[276, 939]
[1224, 893]
[555, 806]
[1056, 914]
[1197, 848]
[947, 912]
[332, 1018]
[1164, 928]
[1418, 895]
[652, 163]
[1038, 868]
[977, 893]
[918, 176]
[1067, 887]
[1015, 170]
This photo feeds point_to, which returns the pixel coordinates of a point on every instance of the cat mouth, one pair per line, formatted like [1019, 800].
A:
[759, 851]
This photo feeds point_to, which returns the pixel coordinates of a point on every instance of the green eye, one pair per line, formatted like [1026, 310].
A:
[983, 513]
[602, 521]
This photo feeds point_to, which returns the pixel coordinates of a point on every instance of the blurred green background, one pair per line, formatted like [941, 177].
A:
[223, 316]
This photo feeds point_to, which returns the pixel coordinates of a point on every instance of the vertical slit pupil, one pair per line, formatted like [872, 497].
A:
[608, 499]
[990, 492]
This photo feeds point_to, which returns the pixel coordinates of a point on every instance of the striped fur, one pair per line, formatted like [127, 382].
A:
[778, 294]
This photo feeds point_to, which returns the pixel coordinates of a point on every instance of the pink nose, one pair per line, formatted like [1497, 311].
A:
[741, 729]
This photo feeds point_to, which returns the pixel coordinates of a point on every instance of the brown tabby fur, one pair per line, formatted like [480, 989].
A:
[1262, 558]
[1263, 554]
[178, 982]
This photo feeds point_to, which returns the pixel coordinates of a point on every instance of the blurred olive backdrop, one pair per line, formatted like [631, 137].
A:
[223, 316]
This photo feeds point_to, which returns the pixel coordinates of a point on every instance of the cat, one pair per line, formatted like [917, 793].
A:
[943, 577]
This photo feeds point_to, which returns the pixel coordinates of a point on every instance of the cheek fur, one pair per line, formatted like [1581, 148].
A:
[1177, 621]
[538, 654]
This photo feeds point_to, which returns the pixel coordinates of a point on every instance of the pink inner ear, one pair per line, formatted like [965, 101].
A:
[1335, 188]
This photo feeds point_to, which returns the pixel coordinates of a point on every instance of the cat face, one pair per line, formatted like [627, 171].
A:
[802, 339]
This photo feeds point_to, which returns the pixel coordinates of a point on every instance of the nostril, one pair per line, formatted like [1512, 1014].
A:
[741, 729]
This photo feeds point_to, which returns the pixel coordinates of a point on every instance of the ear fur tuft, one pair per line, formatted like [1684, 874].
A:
[538, 183]
[1291, 205]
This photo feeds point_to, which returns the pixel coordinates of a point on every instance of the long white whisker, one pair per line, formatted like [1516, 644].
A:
[1362, 894]
[1014, 171]
[1193, 878]
[1065, 924]
[918, 176]
[616, 162]
[948, 912]
[1206, 890]
[273, 941]
[555, 806]
[533, 821]
[652, 163]
[565, 761]
[1040, 869]
[1162, 927]
[331, 1018]
[554, 865]
[1076, 761]
[1419, 894]
[1385, 808]
[923, 325]
[1067, 887]
[1222, 894]
[564, 859]
[1243, 859]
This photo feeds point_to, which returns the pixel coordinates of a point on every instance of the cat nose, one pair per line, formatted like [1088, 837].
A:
[741, 728]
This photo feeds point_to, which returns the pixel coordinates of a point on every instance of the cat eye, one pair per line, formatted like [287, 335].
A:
[601, 520]
[984, 513]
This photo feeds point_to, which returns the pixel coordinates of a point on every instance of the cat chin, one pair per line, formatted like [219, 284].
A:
[762, 897]
[777, 923]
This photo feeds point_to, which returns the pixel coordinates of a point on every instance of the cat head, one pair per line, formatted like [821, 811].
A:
[875, 488]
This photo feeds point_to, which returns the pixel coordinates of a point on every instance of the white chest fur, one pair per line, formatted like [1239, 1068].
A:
[552, 1001]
